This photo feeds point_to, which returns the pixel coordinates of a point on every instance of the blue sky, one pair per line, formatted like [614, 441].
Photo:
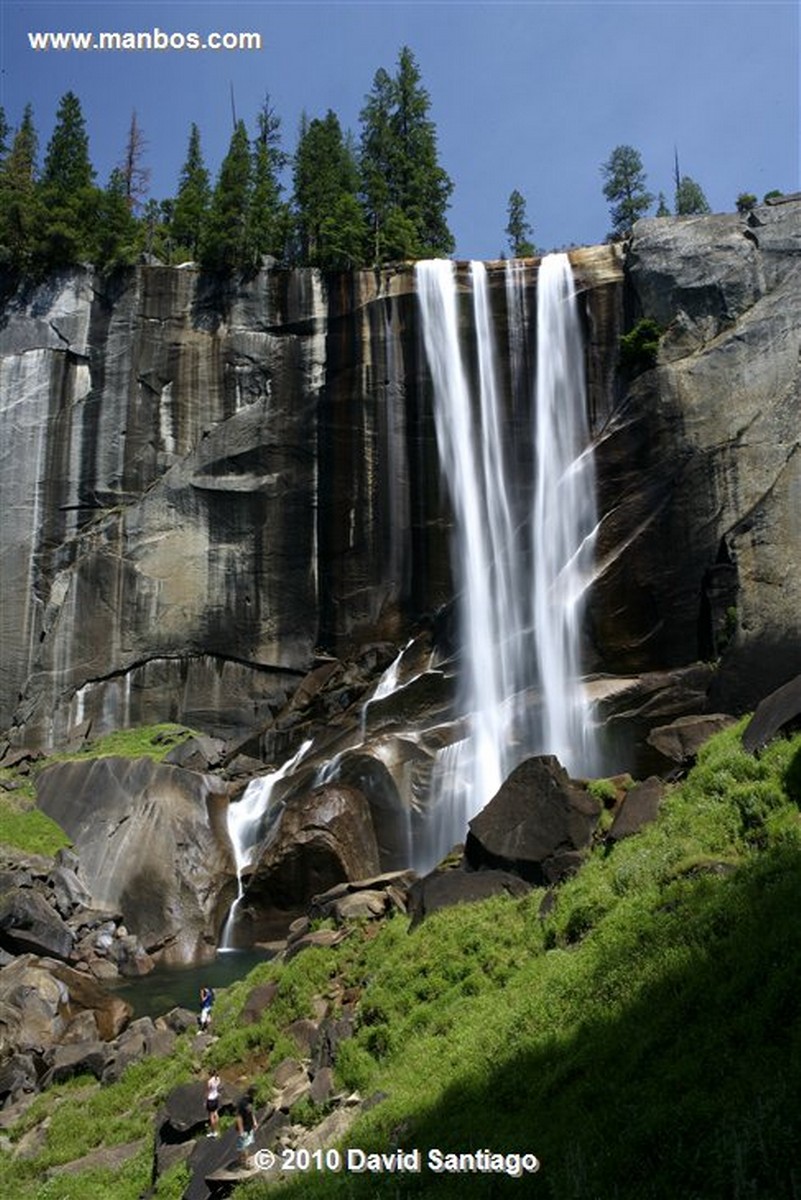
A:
[525, 95]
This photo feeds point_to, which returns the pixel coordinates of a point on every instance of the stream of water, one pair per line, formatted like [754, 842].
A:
[519, 473]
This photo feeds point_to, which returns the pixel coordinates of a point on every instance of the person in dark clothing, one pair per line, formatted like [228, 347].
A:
[246, 1125]
[206, 1001]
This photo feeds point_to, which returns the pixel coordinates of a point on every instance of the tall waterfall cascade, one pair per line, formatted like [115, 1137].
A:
[509, 406]
[522, 558]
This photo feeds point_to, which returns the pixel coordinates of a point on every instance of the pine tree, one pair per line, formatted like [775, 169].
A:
[116, 234]
[269, 215]
[19, 198]
[227, 244]
[690, 199]
[662, 208]
[518, 229]
[424, 187]
[625, 188]
[399, 162]
[378, 158]
[67, 168]
[330, 224]
[191, 209]
[69, 198]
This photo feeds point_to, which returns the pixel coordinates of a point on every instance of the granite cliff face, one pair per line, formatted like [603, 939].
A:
[203, 487]
[699, 465]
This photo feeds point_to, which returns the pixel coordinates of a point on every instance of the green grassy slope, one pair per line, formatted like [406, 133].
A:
[643, 1040]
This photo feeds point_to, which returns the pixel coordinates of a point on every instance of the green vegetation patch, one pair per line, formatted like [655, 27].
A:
[148, 741]
[22, 825]
[639, 348]
[643, 1039]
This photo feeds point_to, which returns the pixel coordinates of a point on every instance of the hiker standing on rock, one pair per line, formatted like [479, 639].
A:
[213, 1104]
[206, 1001]
[246, 1126]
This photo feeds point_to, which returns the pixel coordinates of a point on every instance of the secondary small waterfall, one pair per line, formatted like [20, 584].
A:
[520, 564]
[250, 820]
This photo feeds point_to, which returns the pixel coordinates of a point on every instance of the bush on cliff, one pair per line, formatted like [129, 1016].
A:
[639, 347]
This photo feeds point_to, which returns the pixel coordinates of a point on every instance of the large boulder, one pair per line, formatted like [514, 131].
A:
[42, 1001]
[152, 844]
[538, 825]
[681, 740]
[28, 924]
[781, 710]
[325, 837]
[448, 887]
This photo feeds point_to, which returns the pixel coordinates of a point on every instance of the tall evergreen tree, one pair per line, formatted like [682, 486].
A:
[227, 243]
[19, 197]
[518, 228]
[67, 167]
[191, 208]
[378, 158]
[116, 234]
[269, 215]
[69, 197]
[399, 161]
[424, 187]
[625, 188]
[330, 224]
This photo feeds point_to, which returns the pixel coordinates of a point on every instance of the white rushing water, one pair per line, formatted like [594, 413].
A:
[520, 567]
[515, 455]
[247, 817]
[564, 517]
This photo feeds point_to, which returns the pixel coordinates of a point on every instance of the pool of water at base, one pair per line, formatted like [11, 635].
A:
[169, 987]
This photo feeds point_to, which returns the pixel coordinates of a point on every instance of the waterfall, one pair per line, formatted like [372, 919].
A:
[519, 566]
[249, 823]
[514, 450]
[564, 517]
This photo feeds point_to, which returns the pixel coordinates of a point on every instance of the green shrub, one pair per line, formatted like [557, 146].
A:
[639, 347]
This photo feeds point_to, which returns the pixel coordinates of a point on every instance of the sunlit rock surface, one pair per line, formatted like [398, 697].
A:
[152, 843]
[204, 486]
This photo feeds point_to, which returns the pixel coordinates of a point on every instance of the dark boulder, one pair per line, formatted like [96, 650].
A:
[445, 888]
[18, 1076]
[325, 837]
[781, 710]
[258, 999]
[184, 1111]
[638, 808]
[29, 925]
[76, 1058]
[199, 753]
[537, 825]
[681, 740]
